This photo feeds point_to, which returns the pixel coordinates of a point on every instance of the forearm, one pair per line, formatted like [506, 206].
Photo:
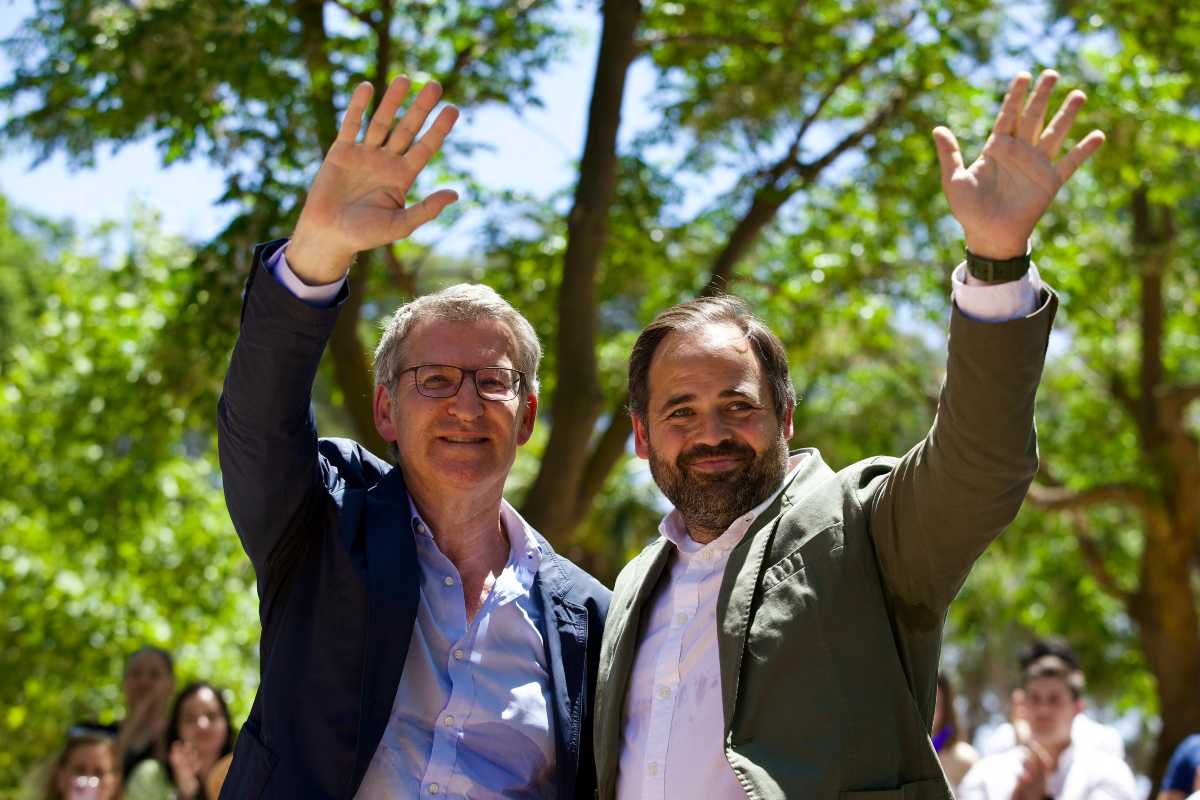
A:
[266, 436]
[951, 495]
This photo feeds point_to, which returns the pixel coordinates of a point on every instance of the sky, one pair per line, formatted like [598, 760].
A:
[185, 193]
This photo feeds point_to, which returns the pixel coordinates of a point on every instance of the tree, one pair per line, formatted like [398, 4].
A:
[115, 530]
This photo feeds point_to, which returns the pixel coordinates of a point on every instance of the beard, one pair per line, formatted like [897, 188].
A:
[710, 502]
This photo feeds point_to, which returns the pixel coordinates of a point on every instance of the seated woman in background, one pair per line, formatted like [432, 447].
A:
[86, 769]
[956, 755]
[199, 735]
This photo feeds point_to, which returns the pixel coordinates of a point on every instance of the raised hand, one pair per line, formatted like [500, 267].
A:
[999, 198]
[1031, 783]
[357, 200]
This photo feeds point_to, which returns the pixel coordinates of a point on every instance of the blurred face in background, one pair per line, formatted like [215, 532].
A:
[147, 675]
[203, 725]
[1050, 708]
[88, 772]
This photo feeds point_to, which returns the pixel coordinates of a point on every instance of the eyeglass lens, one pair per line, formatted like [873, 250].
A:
[444, 380]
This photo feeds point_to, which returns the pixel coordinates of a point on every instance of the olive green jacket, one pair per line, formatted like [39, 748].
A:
[830, 613]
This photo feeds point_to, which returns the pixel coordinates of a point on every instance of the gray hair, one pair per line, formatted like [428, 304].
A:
[463, 302]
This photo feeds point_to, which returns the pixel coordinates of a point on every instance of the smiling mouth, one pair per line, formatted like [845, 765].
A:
[715, 464]
[463, 439]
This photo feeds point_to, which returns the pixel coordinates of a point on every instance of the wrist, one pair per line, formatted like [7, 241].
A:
[996, 250]
[314, 264]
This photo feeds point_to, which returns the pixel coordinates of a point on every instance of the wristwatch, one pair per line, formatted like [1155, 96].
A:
[992, 271]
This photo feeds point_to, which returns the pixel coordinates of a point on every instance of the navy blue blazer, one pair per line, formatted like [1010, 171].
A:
[325, 524]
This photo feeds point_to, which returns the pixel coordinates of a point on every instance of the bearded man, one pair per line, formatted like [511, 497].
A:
[781, 638]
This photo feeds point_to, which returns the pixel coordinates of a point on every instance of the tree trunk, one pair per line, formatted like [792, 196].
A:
[550, 504]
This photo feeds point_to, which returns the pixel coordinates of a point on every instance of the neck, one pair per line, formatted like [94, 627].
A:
[703, 535]
[1055, 751]
[467, 529]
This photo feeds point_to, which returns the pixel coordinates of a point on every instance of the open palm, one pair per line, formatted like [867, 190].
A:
[357, 200]
[1000, 198]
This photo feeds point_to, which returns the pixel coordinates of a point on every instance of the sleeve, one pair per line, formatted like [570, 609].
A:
[973, 786]
[1181, 769]
[266, 436]
[995, 302]
[934, 513]
[321, 296]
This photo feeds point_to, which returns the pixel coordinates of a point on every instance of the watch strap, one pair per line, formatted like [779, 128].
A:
[992, 271]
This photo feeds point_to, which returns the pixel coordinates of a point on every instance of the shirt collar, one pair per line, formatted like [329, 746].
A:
[674, 530]
[524, 550]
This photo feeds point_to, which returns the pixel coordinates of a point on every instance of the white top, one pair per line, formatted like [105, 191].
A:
[1082, 774]
[1085, 733]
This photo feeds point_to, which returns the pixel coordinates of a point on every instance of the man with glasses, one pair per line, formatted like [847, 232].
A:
[419, 638]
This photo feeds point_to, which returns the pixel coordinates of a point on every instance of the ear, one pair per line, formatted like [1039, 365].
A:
[787, 422]
[528, 418]
[383, 414]
[641, 437]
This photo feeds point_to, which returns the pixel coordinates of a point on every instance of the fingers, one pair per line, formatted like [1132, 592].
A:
[949, 155]
[427, 146]
[1030, 123]
[1056, 132]
[407, 220]
[1080, 153]
[381, 121]
[1014, 101]
[352, 119]
[404, 133]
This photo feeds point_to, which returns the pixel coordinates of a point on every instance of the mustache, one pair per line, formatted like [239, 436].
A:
[725, 449]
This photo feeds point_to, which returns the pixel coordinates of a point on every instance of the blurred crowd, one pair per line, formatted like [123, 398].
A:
[169, 746]
[1050, 747]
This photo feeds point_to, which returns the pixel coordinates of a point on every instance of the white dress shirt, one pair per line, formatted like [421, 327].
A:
[673, 728]
[1081, 774]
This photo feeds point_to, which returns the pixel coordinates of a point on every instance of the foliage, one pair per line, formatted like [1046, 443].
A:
[116, 533]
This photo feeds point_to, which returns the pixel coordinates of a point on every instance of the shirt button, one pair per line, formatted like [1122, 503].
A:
[458, 654]
[434, 788]
[448, 580]
[664, 692]
[706, 555]
[652, 768]
[448, 721]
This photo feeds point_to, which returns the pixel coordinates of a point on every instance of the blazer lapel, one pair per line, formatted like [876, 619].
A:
[616, 657]
[743, 573]
[565, 632]
[393, 587]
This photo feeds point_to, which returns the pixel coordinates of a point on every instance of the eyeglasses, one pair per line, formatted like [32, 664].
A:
[444, 380]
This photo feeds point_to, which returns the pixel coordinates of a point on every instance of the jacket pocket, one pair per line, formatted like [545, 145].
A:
[929, 789]
[251, 767]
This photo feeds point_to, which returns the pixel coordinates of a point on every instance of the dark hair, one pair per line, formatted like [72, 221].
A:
[158, 651]
[707, 310]
[173, 724]
[1053, 666]
[1048, 646]
[78, 736]
[949, 714]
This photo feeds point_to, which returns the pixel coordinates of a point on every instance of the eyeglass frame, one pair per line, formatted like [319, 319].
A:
[463, 373]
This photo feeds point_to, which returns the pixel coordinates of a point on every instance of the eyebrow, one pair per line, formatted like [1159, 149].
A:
[679, 399]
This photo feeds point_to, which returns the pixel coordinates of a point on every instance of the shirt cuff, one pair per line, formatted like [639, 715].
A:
[996, 302]
[322, 296]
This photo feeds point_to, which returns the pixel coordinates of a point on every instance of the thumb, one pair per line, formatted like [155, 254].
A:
[949, 155]
[407, 220]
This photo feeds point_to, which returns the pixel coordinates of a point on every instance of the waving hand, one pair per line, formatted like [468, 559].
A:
[357, 200]
[999, 198]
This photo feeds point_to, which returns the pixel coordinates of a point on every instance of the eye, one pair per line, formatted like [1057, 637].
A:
[680, 412]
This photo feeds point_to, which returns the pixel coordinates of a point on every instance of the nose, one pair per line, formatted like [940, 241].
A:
[467, 404]
[712, 429]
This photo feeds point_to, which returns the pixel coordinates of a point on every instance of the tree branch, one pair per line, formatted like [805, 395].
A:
[1090, 549]
[1059, 498]
[809, 172]
[362, 16]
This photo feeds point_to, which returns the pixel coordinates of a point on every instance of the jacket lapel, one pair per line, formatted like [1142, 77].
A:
[743, 573]
[565, 633]
[616, 657]
[393, 587]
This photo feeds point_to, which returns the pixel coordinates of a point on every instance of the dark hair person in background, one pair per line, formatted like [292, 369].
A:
[148, 684]
[199, 735]
[955, 754]
[85, 769]
[1183, 771]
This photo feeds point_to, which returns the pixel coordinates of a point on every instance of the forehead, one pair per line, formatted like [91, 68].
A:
[1046, 686]
[200, 700]
[146, 661]
[89, 754]
[713, 356]
[475, 343]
